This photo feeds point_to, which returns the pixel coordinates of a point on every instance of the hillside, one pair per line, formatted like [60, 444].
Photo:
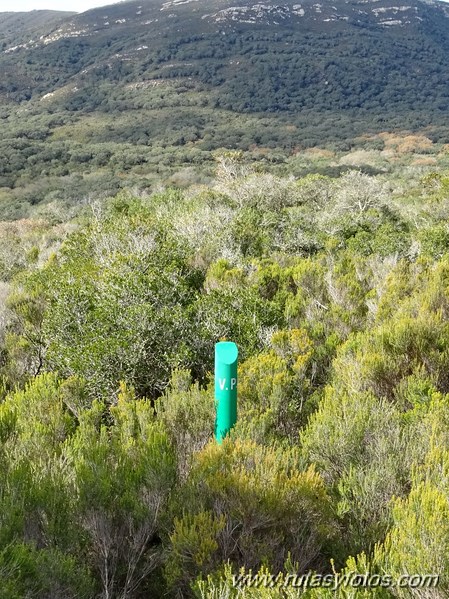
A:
[254, 57]
[177, 174]
[336, 292]
[17, 27]
[147, 88]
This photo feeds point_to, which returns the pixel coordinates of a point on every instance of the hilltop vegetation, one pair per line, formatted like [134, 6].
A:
[336, 292]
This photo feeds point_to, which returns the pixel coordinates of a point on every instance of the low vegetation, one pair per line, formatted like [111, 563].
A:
[335, 289]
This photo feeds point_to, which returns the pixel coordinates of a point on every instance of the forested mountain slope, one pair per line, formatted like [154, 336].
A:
[252, 57]
[129, 95]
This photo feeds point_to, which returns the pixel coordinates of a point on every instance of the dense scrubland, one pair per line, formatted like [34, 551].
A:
[131, 242]
[336, 290]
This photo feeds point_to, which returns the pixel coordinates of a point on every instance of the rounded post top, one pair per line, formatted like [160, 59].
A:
[226, 352]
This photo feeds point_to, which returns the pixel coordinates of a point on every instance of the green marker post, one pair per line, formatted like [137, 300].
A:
[226, 354]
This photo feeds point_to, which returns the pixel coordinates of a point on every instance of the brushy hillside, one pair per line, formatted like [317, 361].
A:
[128, 95]
[336, 292]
